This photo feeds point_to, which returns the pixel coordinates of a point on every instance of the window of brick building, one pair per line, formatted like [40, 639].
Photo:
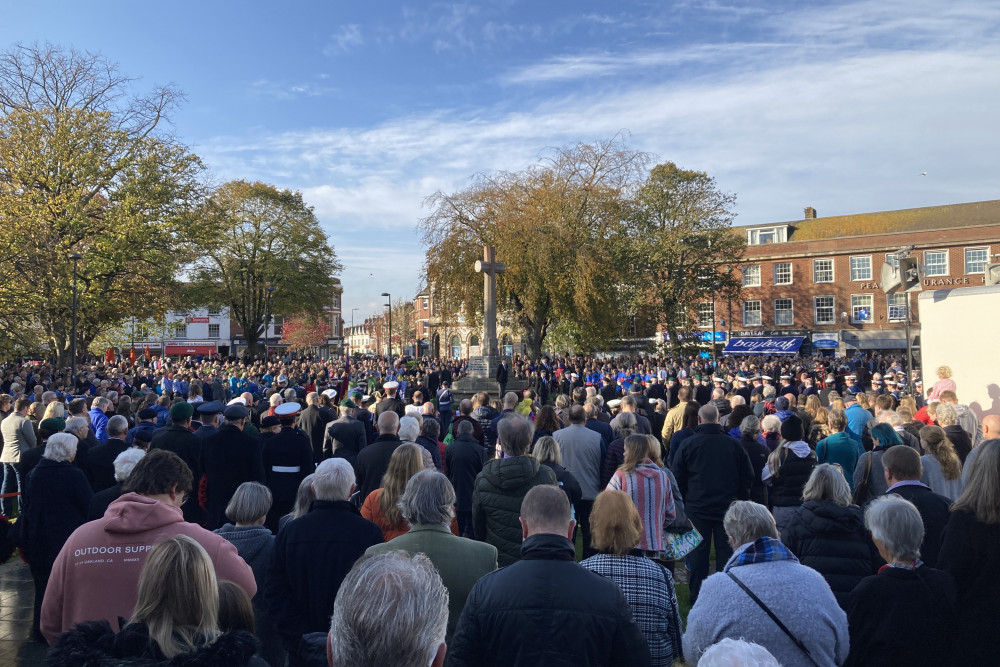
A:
[822, 270]
[825, 312]
[861, 268]
[976, 260]
[896, 307]
[706, 313]
[783, 315]
[782, 273]
[751, 275]
[752, 313]
[935, 262]
[861, 308]
[213, 330]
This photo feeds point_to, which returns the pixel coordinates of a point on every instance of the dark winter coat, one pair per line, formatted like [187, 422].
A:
[300, 593]
[904, 617]
[712, 471]
[94, 644]
[792, 475]
[464, 461]
[758, 454]
[496, 502]
[970, 552]
[344, 439]
[187, 445]
[56, 498]
[546, 610]
[101, 463]
[313, 420]
[613, 459]
[833, 541]
[431, 445]
[101, 500]
[568, 484]
[230, 457]
[373, 461]
[935, 510]
[288, 459]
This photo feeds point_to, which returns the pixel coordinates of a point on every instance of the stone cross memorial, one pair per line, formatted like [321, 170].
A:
[485, 365]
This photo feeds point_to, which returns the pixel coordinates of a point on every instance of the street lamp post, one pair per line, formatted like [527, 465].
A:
[76, 257]
[353, 333]
[267, 319]
[389, 306]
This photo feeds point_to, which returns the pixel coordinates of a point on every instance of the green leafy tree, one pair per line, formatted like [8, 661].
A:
[556, 227]
[261, 250]
[87, 167]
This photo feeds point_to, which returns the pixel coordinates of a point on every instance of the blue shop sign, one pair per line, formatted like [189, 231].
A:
[765, 345]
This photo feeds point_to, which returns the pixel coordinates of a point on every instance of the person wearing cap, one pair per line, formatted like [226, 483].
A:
[313, 421]
[147, 422]
[230, 457]
[269, 427]
[288, 459]
[178, 438]
[391, 400]
[787, 387]
[345, 436]
[211, 417]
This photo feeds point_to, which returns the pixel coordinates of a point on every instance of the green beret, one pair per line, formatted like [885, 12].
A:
[347, 403]
[181, 411]
[53, 425]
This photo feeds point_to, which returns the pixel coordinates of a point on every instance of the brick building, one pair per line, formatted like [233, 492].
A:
[819, 279]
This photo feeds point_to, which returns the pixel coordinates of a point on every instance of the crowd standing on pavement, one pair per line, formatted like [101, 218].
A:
[308, 511]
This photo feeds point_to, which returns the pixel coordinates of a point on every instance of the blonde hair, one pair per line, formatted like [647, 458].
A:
[615, 525]
[178, 596]
[54, 409]
[813, 406]
[547, 450]
[981, 496]
[655, 452]
[406, 461]
[636, 452]
[935, 442]
[944, 372]
[838, 404]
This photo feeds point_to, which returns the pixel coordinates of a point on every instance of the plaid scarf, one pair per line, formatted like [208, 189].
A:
[764, 550]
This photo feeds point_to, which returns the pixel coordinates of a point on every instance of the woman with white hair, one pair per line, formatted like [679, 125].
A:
[124, 463]
[903, 615]
[56, 499]
[828, 534]
[947, 419]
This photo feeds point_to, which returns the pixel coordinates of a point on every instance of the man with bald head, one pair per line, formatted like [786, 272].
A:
[373, 460]
[712, 471]
[991, 430]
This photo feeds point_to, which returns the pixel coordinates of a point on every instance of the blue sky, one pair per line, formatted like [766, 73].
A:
[368, 108]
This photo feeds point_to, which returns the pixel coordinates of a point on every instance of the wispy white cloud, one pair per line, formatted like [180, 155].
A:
[347, 38]
[283, 90]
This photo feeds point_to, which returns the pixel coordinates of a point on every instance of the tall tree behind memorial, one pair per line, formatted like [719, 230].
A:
[681, 225]
[87, 166]
[252, 237]
[556, 227]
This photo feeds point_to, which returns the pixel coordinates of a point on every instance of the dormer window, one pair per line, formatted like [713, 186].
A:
[764, 235]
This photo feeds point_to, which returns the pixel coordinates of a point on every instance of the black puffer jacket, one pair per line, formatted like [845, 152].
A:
[547, 610]
[833, 541]
[496, 502]
[94, 644]
[794, 472]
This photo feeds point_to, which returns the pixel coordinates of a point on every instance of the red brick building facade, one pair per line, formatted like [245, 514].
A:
[821, 278]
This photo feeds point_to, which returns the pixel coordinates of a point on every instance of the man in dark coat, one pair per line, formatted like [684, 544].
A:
[463, 462]
[465, 414]
[712, 471]
[101, 459]
[391, 402]
[210, 413]
[546, 608]
[314, 553]
[288, 459]
[502, 375]
[179, 439]
[313, 421]
[231, 457]
[903, 471]
[373, 460]
[595, 424]
[345, 437]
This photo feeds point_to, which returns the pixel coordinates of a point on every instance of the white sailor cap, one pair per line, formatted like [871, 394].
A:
[766, 377]
[330, 393]
[785, 377]
[614, 402]
[239, 400]
[391, 384]
[289, 409]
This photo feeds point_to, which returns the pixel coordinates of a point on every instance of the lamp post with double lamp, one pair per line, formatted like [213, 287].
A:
[267, 319]
[76, 257]
[389, 306]
[353, 333]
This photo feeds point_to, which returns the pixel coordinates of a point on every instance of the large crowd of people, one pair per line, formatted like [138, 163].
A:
[352, 511]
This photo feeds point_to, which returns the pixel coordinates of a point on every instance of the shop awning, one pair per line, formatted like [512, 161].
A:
[765, 345]
[184, 350]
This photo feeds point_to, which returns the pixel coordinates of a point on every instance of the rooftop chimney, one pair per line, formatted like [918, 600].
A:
[810, 213]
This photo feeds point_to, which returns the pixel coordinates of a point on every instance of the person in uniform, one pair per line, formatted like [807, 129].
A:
[288, 459]
[210, 412]
[345, 437]
[231, 457]
[391, 400]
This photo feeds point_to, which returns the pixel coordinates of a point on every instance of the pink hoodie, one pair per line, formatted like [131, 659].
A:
[96, 575]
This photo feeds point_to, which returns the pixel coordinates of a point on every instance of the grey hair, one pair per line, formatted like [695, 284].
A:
[737, 400]
[251, 501]
[547, 450]
[626, 424]
[465, 427]
[391, 609]
[412, 411]
[60, 447]
[345, 411]
[771, 423]
[303, 497]
[514, 433]
[946, 415]
[117, 425]
[74, 424]
[770, 391]
[708, 414]
[896, 523]
[827, 482]
[429, 498]
[750, 425]
[333, 479]
[388, 422]
[729, 652]
[747, 521]
[125, 461]
[409, 429]
[431, 428]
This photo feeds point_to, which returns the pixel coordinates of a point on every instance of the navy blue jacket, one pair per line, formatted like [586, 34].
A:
[57, 497]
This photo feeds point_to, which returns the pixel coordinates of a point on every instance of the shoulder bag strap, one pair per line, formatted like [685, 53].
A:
[672, 630]
[777, 621]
